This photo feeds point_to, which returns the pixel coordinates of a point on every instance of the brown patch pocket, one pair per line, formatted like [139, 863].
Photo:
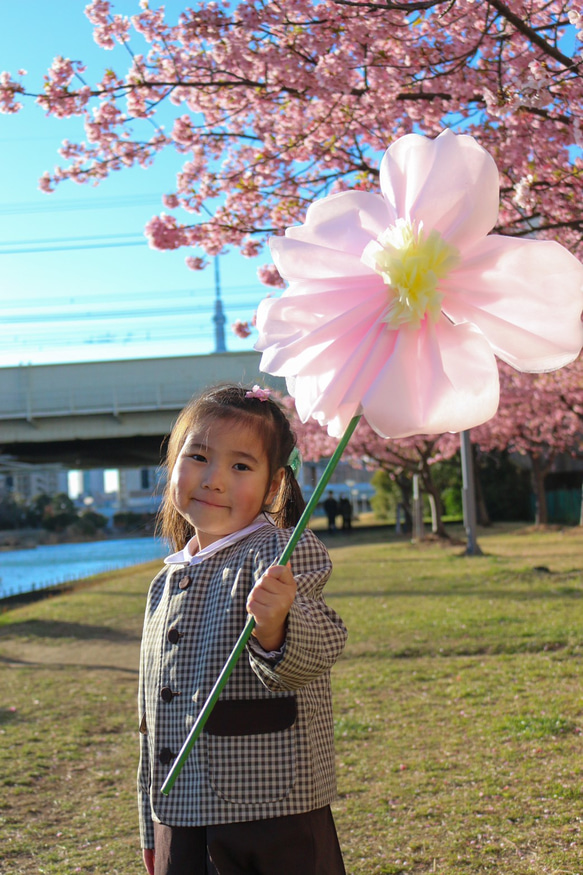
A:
[251, 716]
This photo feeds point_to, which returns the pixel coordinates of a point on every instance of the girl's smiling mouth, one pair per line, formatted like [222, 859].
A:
[208, 503]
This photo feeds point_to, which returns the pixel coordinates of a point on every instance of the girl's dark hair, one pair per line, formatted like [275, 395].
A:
[273, 429]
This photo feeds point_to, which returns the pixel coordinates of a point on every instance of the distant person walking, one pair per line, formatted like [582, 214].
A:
[345, 508]
[331, 509]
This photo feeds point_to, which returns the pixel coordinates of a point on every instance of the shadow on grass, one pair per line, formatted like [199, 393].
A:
[63, 629]
[380, 534]
[489, 593]
[7, 716]
[384, 533]
[86, 584]
[14, 662]
[468, 648]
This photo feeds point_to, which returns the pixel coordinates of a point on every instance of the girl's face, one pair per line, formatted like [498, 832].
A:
[220, 481]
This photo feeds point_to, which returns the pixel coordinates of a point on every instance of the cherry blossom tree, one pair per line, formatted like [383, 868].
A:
[569, 389]
[401, 459]
[539, 418]
[270, 104]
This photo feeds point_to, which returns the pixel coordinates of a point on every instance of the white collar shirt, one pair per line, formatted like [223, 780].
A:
[192, 555]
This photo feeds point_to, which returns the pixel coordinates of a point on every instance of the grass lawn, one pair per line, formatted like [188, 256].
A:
[458, 704]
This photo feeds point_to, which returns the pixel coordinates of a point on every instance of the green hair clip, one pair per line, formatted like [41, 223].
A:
[295, 461]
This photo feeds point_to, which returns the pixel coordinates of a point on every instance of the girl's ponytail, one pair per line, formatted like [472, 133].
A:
[288, 505]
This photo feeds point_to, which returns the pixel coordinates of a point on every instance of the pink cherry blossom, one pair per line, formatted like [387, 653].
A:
[269, 275]
[270, 106]
[9, 88]
[399, 302]
[195, 262]
[241, 329]
[163, 232]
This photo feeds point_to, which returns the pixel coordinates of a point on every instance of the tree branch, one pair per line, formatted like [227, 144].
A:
[575, 225]
[524, 28]
[402, 7]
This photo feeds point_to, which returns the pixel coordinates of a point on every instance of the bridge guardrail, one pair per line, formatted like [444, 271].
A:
[78, 401]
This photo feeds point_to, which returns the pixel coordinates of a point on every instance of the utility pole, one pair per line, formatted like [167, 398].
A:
[417, 511]
[469, 495]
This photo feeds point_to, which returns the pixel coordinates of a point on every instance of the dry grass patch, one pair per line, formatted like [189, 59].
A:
[458, 711]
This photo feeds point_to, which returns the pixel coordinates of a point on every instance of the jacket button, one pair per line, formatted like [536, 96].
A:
[184, 582]
[166, 694]
[166, 756]
[174, 636]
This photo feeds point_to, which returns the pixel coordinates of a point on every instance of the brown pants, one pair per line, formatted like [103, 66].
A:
[301, 843]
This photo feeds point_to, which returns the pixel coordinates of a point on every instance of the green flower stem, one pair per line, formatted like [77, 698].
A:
[222, 679]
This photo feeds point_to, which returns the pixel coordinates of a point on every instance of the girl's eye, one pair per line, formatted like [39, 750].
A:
[198, 457]
[241, 466]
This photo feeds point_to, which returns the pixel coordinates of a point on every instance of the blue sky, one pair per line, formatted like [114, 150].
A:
[61, 302]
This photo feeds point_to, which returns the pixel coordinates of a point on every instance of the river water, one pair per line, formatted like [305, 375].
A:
[28, 570]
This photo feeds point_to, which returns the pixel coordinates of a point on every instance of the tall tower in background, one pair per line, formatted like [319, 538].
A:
[219, 318]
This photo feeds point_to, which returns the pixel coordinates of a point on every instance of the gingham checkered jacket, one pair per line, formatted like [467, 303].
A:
[267, 749]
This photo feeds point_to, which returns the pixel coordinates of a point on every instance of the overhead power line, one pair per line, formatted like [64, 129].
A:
[183, 335]
[142, 296]
[86, 237]
[65, 248]
[52, 205]
[160, 311]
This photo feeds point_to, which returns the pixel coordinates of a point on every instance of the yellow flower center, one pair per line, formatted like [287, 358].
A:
[411, 263]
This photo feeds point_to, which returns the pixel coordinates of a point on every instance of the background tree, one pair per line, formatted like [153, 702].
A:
[537, 420]
[503, 488]
[568, 386]
[38, 508]
[59, 513]
[400, 459]
[273, 103]
[12, 512]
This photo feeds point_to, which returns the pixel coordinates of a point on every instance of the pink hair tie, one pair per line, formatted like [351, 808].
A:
[259, 393]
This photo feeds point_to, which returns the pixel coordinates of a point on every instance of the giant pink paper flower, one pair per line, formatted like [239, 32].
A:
[398, 303]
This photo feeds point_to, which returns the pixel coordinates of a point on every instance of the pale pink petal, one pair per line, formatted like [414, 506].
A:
[440, 378]
[332, 239]
[328, 295]
[450, 184]
[330, 388]
[295, 331]
[526, 296]
[323, 299]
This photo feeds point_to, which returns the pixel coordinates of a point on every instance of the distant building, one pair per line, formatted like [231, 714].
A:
[24, 482]
[93, 485]
[140, 489]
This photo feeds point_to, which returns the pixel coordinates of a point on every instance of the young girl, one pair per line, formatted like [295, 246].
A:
[253, 796]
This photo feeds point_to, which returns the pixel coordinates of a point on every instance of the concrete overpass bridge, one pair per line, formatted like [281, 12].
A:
[110, 414]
